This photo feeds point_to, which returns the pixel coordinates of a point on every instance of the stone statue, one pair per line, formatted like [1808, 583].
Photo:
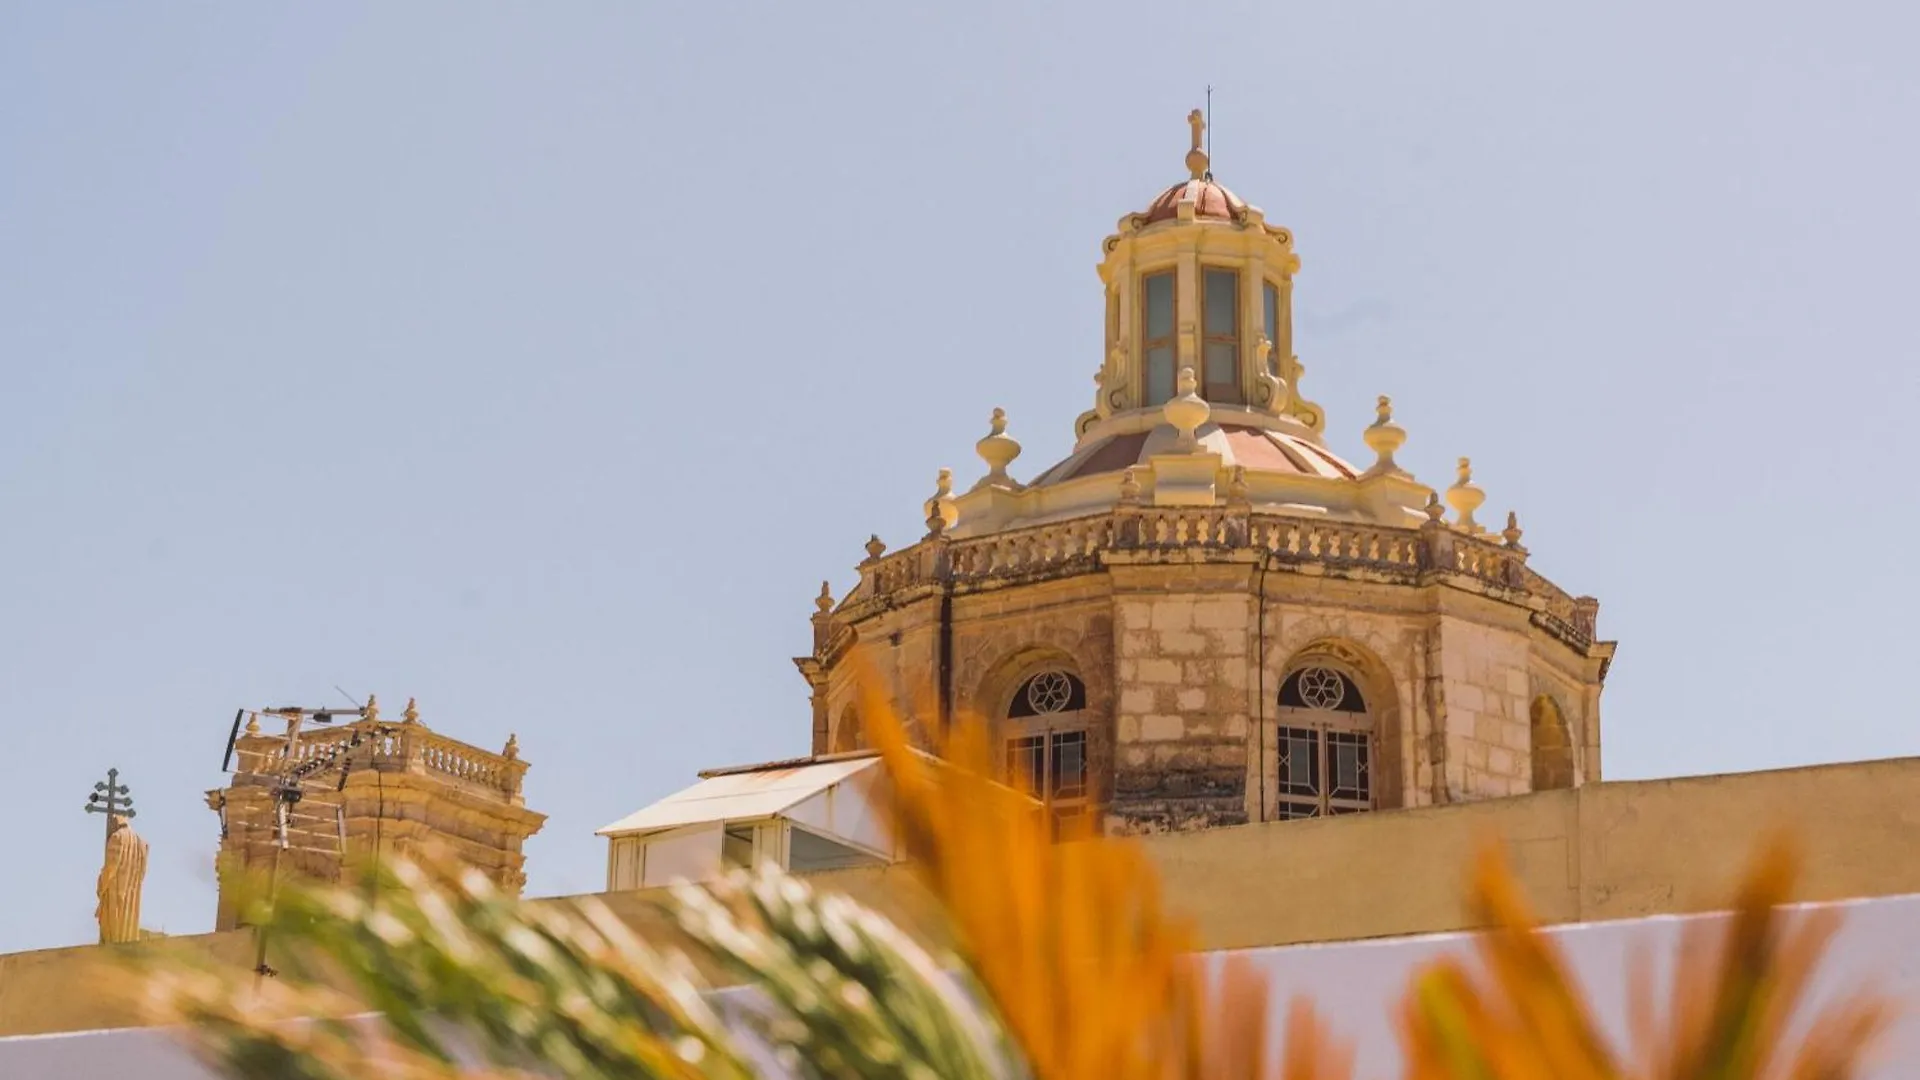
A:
[121, 876]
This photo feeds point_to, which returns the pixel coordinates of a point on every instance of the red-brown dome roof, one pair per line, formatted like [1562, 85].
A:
[1210, 200]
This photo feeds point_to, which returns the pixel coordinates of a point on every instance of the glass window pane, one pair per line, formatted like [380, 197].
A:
[1223, 379]
[1299, 769]
[1349, 760]
[1160, 375]
[1223, 303]
[1157, 300]
[1026, 762]
[1069, 764]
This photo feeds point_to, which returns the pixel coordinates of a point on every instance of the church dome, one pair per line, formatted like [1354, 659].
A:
[1254, 448]
[1211, 202]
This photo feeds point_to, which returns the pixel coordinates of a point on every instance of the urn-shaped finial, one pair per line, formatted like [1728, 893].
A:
[412, 712]
[998, 449]
[1465, 497]
[1511, 534]
[939, 509]
[1187, 411]
[1384, 437]
[512, 750]
[824, 602]
[876, 547]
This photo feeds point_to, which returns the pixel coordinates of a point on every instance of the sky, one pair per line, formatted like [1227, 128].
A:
[539, 361]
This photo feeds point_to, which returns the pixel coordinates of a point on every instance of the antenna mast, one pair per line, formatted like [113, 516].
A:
[294, 775]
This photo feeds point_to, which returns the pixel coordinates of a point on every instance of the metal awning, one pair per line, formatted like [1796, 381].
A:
[742, 795]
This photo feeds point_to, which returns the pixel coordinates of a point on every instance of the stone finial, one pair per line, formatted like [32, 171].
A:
[876, 547]
[1197, 156]
[1465, 497]
[1384, 437]
[824, 602]
[253, 723]
[939, 509]
[1511, 534]
[411, 714]
[371, 710]
[1434, 510]
[512, 750]
[1187, 411]
[1129, 485]
[1237, 488]
[998, 449]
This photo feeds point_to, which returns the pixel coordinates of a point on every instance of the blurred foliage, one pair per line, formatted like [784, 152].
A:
[1064, 966]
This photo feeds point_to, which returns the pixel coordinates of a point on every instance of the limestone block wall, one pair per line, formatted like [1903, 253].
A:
[1488, 693]
[1184, 661]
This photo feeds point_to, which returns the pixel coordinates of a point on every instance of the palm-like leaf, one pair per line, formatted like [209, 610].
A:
[1067, 969]
[1734, 995]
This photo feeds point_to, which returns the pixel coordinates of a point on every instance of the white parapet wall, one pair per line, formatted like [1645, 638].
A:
[1355, 986]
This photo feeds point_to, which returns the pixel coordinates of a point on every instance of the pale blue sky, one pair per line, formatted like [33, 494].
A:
[540, 360]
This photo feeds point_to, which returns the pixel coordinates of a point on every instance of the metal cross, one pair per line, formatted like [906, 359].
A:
[111, 798]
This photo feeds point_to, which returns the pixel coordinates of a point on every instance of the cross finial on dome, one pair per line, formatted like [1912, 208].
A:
[1197, 157]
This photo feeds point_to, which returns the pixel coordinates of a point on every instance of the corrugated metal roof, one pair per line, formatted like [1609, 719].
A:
[740, 796]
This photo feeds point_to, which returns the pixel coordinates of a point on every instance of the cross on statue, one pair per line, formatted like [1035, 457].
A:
[111, 798]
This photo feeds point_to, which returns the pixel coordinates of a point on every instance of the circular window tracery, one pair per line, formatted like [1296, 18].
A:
[1048, 692]
[1322, 688]
[1051, 691]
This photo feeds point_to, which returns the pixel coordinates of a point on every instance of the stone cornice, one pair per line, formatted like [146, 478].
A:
[1433, 555]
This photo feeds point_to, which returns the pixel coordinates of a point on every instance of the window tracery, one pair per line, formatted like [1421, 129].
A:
[1325, 747]
[1046, 742]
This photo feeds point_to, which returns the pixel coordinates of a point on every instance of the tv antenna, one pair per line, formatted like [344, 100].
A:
[1209, 129]
[296, 773]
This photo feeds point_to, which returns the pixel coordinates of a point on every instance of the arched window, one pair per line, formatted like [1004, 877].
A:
[847, 733]
[1552, 746]
[1046, 730]
[1325, 744]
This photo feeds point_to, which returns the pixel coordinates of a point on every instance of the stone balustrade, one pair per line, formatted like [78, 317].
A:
[391, 748]
[1435, 551]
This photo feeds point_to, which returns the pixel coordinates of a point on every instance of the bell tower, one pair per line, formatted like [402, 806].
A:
[1205, 615]
[313, 802]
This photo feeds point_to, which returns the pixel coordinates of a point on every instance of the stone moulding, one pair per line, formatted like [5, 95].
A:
[399, 748]
[1433, 554]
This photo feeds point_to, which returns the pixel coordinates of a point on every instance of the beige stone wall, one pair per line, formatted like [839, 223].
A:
[1184, 658]
[392, 808]
[1602, 851]
[1484, 666]
[1183, 666]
